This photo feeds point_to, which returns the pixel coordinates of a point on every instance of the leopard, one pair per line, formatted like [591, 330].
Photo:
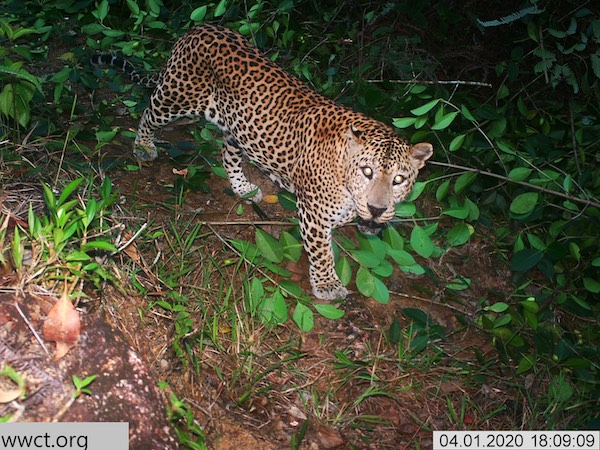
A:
[339, 163]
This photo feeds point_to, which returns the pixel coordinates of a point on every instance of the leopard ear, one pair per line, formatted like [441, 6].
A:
[419, 153]
[354, 138]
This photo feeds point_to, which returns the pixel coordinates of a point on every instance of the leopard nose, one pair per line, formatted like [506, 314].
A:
[376, 211]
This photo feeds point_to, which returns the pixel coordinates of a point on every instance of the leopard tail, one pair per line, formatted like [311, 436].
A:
[105, 60]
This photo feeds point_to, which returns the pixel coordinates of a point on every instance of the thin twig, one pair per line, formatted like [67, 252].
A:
[133, 238]
[37, 336]
[433, 82]
[520, 183]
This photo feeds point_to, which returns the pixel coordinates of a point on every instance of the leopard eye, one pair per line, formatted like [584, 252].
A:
[367, 172]
[398, 179]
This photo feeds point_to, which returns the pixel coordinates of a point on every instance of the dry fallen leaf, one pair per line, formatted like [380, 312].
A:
[7, 396]
[270, 198]
[62, 326]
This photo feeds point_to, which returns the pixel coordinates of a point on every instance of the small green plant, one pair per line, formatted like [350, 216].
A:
[82, 385]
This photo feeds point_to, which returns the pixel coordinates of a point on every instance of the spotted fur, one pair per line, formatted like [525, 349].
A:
[339, 163]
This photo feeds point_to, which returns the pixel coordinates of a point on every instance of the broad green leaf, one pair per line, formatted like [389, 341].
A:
[373, 244]
[591, 285]
[405, 209]
[519, 173]
[404, 122]
[78, 256]
[365, 282]
[464, 181]
[473, 210]
[402, 257]
[524, 203]
[221, 8]
[459, 284]
[458, 235]
[417, 191]
[303, 317]
[344, 270]
[384, 269]
[380, 292]
[273, 309]
[329, 311]
[442, 191]
[291, 246]
[98, 245]
[268, 246]
[133, 7]
[457, 142]
[393, 238]
[421, 242]
[199, 13]
[497, 307]
[526, 259]
[366, 258]
[526, 363]
[457, 213]
[502, 321]
[424, 109]
[445, 121]
[68, 190]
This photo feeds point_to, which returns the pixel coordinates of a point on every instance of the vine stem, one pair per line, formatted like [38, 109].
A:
[520, 183]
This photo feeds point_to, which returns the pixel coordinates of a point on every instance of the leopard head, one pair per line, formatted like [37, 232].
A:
[381, 173]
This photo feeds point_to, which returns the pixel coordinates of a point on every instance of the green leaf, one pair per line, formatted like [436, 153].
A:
[365, 282]
[329, 311]
[526, 363]
[273, 309]
[404, 122]
[303, 317]
[344, 270]
[424, 109]
[421, 242]
[417, 191]
[269, 246]
[380, 292]
[445, 121]
[287, 200]
[402, 257]
[366, 258]
[459, 284]
[457, 142]
[464, 181]
[395, 241]
[291, 247]
[526, 259]
[98, 245]
[497, 307]
[68, 190]
[524, 203]
[221, 8]
[458, 235]
[591, 285]
[442, 191]
[457, 212]
[519, 173]
[199, 13]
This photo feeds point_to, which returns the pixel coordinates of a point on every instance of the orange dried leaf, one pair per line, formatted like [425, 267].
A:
[269, 198]
[62, 326]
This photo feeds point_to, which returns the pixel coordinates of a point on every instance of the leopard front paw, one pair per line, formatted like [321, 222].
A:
[145, 151]
[330, 291]
[250, 193]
